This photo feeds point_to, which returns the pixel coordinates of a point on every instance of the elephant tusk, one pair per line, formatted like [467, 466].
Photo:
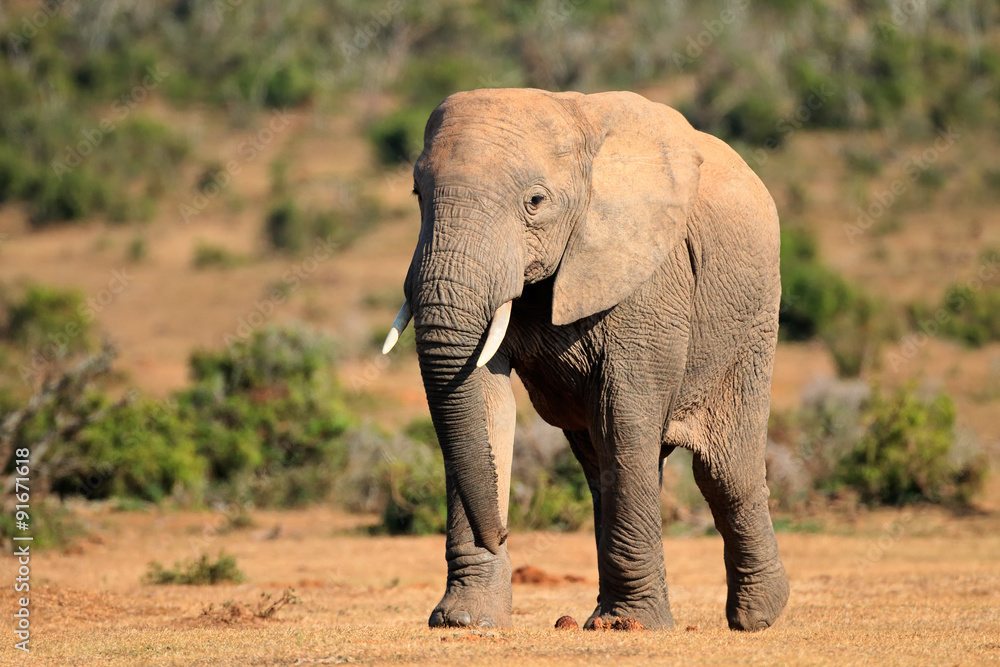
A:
[498, 329]
[402, 319]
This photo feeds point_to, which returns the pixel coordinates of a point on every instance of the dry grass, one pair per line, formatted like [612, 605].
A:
[900, 589]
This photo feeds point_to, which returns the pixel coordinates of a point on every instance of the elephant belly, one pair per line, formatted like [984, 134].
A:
[556, 402]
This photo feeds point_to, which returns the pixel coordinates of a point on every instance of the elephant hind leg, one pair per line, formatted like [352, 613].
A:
[729, 469]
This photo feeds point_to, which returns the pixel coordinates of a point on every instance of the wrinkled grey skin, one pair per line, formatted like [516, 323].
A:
[642, 258]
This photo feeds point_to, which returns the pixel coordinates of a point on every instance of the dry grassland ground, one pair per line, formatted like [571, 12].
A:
[891, 588]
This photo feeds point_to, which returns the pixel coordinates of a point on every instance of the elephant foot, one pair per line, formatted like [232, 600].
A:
[478, 593]
[755, 602]
[630, 619]
[471, 608]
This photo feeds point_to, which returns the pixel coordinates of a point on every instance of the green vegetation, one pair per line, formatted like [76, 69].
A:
[49, 316]
[291, 229]
[817, 302]
[554, 497]
[968, 313]
[262, 422]
[200, 572]
[904, 454]
[399, 137]
[417, 502]
[210, 256]
[890, 449]
[52, 525]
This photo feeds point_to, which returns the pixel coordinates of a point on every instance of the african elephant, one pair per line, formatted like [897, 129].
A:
[626, 266]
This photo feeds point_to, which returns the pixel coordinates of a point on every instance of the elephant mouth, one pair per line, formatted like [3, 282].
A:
[494, 336]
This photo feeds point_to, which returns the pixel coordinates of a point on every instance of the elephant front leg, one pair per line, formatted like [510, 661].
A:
[633, 586]
[478, 592]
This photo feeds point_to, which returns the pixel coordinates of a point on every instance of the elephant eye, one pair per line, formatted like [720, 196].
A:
[535, 201]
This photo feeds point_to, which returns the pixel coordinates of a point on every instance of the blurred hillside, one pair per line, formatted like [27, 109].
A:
[178, 175]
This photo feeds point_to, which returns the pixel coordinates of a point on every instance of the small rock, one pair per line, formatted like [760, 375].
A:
[692, 628]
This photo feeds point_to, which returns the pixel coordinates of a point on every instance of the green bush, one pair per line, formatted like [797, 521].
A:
[53, 525]
[274, 356]
[50, 316]
[812, 295]
[413, 482]
[399, 137]
[140, 450]
[417, 501]
[887, 448]
[200, 572]
[904, 454]
[966, 314]
[262, 422]
[560, 498]
[210, 256]
[265, 415]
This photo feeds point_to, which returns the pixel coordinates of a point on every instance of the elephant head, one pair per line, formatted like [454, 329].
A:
[514, 187]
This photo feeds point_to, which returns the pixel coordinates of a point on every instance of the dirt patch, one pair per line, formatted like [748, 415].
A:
[530, 574]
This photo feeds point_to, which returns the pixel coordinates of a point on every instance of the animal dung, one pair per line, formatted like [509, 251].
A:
[621, 624]
[567, 623]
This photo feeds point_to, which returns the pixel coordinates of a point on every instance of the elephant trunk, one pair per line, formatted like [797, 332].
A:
[467, 264]
[449, 337]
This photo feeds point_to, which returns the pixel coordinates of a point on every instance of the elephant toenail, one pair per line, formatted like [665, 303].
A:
[461, 618]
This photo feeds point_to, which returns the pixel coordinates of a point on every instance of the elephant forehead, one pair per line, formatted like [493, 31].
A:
[482, 122]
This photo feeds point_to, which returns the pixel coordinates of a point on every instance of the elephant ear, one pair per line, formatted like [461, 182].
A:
[644, 183]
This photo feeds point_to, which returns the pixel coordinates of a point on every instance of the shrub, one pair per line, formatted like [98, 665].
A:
[53, 525]
[548, 488]
[270, 357]
[288, 228]
[139, 450]
[417, 502]
[50, 315]
[559, 499]
[903, 455]
[399, 137]
[812, 295]
[207, 255]
[887, 448]
[266, 416]
[200, 572]
[967, 314]
[262, 422]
